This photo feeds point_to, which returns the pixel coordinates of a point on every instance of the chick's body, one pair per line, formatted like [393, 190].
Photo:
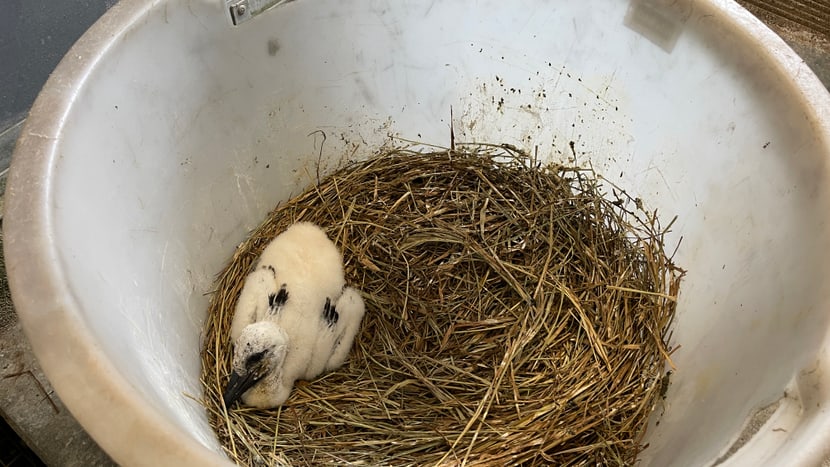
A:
[305, 318]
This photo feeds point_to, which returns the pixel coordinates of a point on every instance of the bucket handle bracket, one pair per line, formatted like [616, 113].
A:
[244, 10]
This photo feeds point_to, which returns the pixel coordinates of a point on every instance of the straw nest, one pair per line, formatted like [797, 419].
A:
[515, 315]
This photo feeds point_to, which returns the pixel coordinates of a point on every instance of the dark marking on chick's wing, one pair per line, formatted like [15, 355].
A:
[270, 268]
[277, 300]
[330, 314]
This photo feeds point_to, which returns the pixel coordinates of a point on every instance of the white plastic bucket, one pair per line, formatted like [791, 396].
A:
[167, 133]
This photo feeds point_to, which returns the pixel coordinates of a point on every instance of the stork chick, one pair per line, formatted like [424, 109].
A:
[294, 318]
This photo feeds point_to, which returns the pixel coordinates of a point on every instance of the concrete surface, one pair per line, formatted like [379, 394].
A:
[27, 400]
[34, 35]
[7, 139]
[812, 15]
[803, 24]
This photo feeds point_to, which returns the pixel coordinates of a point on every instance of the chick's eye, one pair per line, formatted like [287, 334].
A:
[255, 358]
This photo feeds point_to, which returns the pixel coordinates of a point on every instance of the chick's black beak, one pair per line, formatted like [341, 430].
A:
[237, 386]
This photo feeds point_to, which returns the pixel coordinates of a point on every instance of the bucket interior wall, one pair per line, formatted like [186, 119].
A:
[189, 130]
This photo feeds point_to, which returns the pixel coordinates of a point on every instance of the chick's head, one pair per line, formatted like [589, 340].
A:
[259, 354]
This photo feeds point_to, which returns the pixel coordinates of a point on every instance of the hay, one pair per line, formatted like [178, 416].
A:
[514, 316]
